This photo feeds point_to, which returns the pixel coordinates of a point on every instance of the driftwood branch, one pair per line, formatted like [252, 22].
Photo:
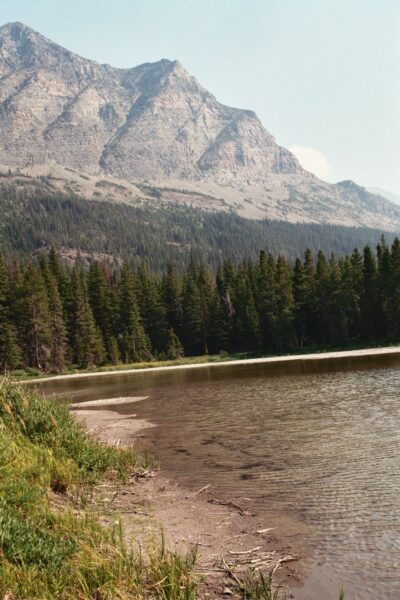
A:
[230, 504]
[201, 490]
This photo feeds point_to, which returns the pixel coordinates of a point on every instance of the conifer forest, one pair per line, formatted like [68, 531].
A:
[54, 316]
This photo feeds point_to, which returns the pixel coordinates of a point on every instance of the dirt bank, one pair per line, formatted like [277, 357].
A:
[227, 536]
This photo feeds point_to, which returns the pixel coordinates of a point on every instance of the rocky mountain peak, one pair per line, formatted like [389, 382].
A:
[151, 121]
[157, 123]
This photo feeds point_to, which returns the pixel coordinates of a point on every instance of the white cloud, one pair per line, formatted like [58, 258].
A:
[313, 160]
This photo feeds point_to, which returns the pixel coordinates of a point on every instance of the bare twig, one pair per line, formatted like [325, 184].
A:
[201, 490]
[245, 551]
[223, 503]
[265, 530]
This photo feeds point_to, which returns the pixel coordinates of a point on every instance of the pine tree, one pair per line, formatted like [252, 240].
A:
[34, 319]
[395, 291]
[343, 300]
[9, 351]
[305, 298]
[174, 346]
[104, 307]
[63, 282]
[384, 289]
[135, 345]
[152, 311]
[246, 322]
[192, 328]
[284, 333]
[322, 299]
[171, 298]
[58, 350]
[369, 297]
[88, 349]
[219, 334]
[266, 300]
[351, 296]
[205, 285]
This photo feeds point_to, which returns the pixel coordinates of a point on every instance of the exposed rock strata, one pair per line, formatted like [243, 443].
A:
[156, 123]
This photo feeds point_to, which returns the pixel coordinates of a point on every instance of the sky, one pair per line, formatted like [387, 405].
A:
[322, 75]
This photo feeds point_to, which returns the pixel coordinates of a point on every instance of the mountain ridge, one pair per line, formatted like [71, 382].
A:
[180, 129]
[156, 123]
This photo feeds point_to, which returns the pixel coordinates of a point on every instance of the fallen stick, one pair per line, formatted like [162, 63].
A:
[232, 537]
[231, 504]
[203, 489]
[245, 551]
[231, 574]
[200, 544]
[265, 530]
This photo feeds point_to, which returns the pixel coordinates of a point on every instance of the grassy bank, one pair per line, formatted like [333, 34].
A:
[28, 374]
[53, 543]
[50, 546]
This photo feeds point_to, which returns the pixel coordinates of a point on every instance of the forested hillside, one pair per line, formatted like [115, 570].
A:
[35, 217]
[52, 317]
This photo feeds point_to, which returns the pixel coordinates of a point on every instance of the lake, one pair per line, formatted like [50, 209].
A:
[318, 454]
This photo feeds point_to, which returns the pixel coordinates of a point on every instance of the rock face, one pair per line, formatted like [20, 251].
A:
[156, 123]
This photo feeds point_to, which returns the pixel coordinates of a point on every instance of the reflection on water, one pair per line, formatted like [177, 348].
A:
[318, 454]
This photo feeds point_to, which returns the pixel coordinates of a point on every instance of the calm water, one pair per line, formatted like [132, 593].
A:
[318, 455]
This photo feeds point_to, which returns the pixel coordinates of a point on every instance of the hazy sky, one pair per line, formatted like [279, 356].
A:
[323, 75]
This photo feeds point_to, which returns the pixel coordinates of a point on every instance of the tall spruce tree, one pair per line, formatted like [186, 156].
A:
[171, 298]
[219, 327]
[384, 279]
[192, 328]
[134, 343]
[395, 291]
[34, 324]
[88, 349]
[322, 299]
[284, 332]
[205, 285]
[266, 300]
[152, 310]
[9, 352]
[58, 349]
[104, 306]
[369, 297]
[246, 321]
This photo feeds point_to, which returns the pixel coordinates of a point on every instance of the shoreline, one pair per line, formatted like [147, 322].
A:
[297, 360]
[219, 530]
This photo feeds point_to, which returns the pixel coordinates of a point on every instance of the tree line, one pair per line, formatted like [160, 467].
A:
[35, 216]
[53, 316]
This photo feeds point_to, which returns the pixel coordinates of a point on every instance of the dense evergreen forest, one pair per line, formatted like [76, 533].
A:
[52, 316]
[35, 217]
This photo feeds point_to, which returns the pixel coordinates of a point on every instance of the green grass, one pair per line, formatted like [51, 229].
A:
[49, 546]
[32, 374]
[29, 373]
[53, 543]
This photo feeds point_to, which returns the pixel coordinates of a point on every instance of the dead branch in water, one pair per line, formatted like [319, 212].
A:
[223, 503]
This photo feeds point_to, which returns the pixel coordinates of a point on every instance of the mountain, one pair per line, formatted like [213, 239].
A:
[155, 123]
[395, 198]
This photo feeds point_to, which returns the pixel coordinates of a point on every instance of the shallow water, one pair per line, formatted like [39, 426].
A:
[317, 456]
